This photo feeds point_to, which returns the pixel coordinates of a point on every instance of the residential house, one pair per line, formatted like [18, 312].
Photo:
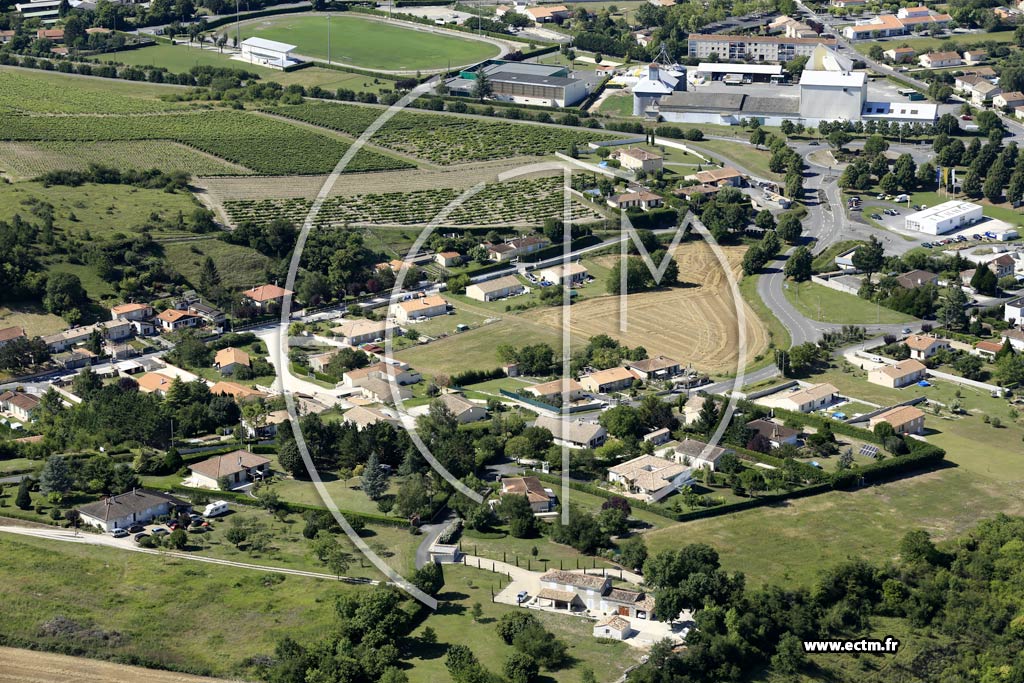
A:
[137, 506]
[697, 193]
[899, 55]
[916, 278]
[640, 199]
[925, 346]
[650, 477]
[131, 312]
[173, 320]
[657, 368]
[607, 381]
[1008, 99]
[637, 159]
[239, 468]
[498, 288]
[209, 314]
[1013, 311]
[265, 296]
[775, 433]
[938, 60]
[75, 358]
[515, 248]
[9, 334]
[904, 419]
[902, 374]
[643, 37]
[577, 591]
[987, 349]
[881, 26]
[447, 259]
[383, 391]
[544, 14]
[464, 410]
[1018, 113]
[154, 382]
[983, 92]
[236, 391]
[809, 399]
[55, 35]
[318, 361]
[541, 499]
[566, 274]
[6, 37]
[419, 309]
[691, 411]
[62, 341]
[398, 372]
[20, 405]
[727, 176]
[230, 359]
[270, 423]
[587, 588]
[972, 57]
[1015, 337]
[658, 436]
[697, 454]
[614, 627]
[573, 433]
[364, 331]
[553, 390]
[1002, 265]
[364, 416]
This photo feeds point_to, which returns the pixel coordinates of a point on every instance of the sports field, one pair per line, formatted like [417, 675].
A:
[370, 44]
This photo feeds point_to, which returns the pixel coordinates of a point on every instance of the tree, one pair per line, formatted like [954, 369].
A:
[56, 476]
[951, 313]
[790, 229]
[869, 257]
[178, 539]
[755, 259]
[633, 552]
[789, 656]
[984, 281]
[24, 499]
[209, 277]
[889, 184]
[707, 419]
[482, 88]
[375, 479]
[520, 668]
[875, 145]
[972, 185]
[757, 137]
[64, 293]
[798, 265]
[515, 510]
[837, 139]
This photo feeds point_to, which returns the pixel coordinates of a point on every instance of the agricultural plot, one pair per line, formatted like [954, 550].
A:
[25, 160]
[49, 93]
[700, 329]
[443, 139]
[518, 202]
[260, 143]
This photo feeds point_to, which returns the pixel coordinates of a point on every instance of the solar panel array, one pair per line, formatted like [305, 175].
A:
[869, 450]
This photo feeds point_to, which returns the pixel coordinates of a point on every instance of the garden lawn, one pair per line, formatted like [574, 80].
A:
[35, 321]
[922, 45]
[741, 153]
[358, 41]
[239, 266]
[152, 601]
[344, 493]
[818, 302]
[453, 623]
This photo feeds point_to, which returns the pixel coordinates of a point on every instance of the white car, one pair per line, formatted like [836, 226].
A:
[119, 533]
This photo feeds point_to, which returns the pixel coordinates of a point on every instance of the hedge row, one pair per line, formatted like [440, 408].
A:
[476, 376]
[299, 508]
[586, 104]
[354, 70]
[837, 426]
[808, 471]
[922, 455]
[230, 19]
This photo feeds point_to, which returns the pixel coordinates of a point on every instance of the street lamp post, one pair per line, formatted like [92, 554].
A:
[328, 38]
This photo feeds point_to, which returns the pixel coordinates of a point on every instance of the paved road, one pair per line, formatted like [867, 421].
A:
[430, 533]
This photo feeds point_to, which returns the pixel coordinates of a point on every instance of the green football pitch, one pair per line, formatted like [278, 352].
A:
[369, 44]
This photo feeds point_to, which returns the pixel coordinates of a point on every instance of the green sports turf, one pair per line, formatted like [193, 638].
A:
[370, 44]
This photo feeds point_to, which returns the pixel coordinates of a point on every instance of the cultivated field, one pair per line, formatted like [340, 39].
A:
[25, 92]
[358, 41]
[25, 160]
[44, 667]
[693, 324]
[443, 139]
[516, 202]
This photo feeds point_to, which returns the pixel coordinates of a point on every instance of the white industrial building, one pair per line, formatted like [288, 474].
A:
[267, 53]
[832, 95]
[655, 84]
[944, 217]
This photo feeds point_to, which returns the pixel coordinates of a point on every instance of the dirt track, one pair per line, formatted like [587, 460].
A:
[692, 324]
[29, 666]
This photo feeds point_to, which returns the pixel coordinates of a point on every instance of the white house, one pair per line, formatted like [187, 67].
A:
[498, 288]
[1013, 311]
[419, 309]
[364, 331]
[650, 477]
[614, 627]
[238, 468]
[137, 506]
[567, 274]
[464, 410]
[814, 397]
[696, 453]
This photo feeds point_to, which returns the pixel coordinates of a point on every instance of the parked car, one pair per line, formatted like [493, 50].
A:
[139, 537]
[876, 217]
[906, 330]
[927, 245]
[976, 236]
[966, 117]
[136, 528]
[160, 531]
[961, 238]
[521, 596]
[119, 533]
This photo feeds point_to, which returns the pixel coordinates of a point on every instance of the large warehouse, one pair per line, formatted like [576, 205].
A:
[537, 84]
[944, 217]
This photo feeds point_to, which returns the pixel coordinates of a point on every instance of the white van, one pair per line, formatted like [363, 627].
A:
[217, 507]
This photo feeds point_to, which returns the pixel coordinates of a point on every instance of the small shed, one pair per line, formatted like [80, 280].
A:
[615, 627]
[444, 554]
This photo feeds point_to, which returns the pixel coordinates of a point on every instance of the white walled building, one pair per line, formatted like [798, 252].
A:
[266, 52]
[944, 217]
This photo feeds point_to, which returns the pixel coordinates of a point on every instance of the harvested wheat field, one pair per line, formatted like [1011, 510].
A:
[29, 666]
[692, 324]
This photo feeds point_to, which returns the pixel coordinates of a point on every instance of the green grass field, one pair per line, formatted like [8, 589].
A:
[828, 305]
[742, 153]
[922, 45]
[777, 332]
[618, 105]
[359, 42]
[182, 57]
[33, 319]
[96, 211]
[168, 613]
[239, 266]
